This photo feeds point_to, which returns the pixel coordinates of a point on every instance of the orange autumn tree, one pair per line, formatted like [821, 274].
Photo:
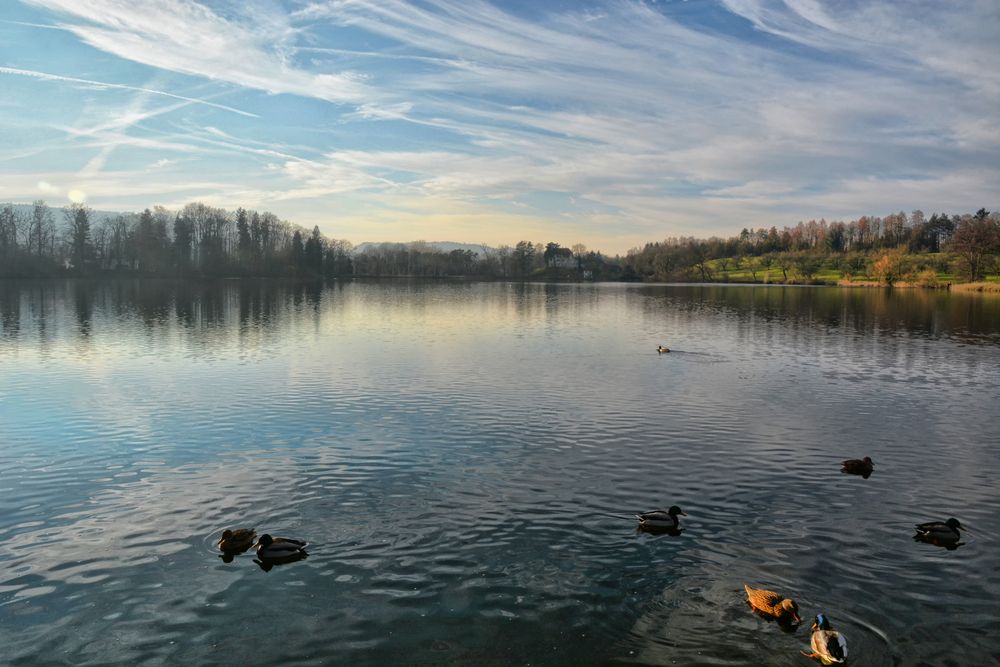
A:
[889, 267]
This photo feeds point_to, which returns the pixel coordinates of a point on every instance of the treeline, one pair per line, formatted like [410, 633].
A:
[523, 260]
[970, 244]
[203, 241]
[197, 241]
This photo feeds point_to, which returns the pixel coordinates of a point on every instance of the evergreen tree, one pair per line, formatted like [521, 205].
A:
[314, 253]
[78, 217]
[182, 243]
[298, 253]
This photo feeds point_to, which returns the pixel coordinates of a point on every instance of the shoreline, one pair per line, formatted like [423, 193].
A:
[980, 287]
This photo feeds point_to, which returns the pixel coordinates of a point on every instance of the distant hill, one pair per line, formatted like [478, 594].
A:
[441, 246]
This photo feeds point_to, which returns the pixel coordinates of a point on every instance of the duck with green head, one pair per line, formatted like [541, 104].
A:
[280, 548]
[661, 518]
[939, 531]
[828, 645]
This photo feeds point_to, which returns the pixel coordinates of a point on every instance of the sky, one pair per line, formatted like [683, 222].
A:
[605, 123]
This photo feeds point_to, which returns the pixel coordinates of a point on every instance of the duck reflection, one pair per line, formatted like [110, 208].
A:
[944, 543]
[268, 564]
[673, 531]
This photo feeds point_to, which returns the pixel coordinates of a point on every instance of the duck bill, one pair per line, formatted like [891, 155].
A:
[683, 513]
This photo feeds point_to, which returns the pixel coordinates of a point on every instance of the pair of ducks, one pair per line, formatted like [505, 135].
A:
[941, 533]
[269, 549]
[828, 645]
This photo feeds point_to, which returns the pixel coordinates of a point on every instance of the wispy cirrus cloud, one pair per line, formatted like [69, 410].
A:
[183, 36]
[119, 86]
[625, 120]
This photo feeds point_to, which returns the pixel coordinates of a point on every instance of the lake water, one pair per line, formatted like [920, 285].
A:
[465, 458]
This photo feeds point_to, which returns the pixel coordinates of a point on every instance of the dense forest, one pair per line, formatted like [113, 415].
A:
[202, 241]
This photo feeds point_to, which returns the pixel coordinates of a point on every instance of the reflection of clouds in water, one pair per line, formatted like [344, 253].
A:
[455, 453]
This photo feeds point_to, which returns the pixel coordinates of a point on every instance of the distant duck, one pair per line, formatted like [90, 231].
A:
[280, 548]
[939, 531]
[861, 467]
[660, 519]
[662, 350]
[827, 644]
[773, 605]
[237, 541]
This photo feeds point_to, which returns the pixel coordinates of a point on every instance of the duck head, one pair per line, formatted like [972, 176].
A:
[821, 622]
[868, 461]
[265, 540]
[674, 511]
[226, 534]
[954, 524]
[791, 609]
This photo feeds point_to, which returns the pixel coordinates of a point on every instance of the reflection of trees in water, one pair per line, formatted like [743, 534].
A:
[971, 318]
[83, 301]
[247, 315]
[10, 310]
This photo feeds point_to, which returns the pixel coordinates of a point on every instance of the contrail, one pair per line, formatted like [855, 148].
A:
[102, 84]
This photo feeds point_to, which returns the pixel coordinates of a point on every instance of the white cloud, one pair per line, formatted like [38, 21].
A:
[629, 117]
[184, 36]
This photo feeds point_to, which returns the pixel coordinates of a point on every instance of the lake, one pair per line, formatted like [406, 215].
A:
[465, 460]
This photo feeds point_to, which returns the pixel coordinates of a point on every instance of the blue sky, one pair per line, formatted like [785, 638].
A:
[606, 123]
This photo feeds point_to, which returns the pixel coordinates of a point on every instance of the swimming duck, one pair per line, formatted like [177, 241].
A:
[939, 531]
[238, 540]
[279, 548]
[771, 604]
[827, 644]
[861, 467]
[660, 519]
[661, 350]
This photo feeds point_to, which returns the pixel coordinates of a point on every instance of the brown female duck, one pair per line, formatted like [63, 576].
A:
[237, 541]
[771, 604]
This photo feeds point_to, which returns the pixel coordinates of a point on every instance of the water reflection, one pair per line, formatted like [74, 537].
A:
[465, 453]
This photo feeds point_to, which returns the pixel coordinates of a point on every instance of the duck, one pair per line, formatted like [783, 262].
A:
[660, 519]
[773, 605]
[280, 548]
[939, 531]
[827, 644]
[662, 350]
[861, 467]
[237, 540]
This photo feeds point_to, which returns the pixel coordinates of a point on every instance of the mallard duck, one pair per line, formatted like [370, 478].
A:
[279, 548]
[238, 540]
[661, 350]
[939, 531]
[771, 604]
[827, 644]
[660, 519]
[862, 467]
